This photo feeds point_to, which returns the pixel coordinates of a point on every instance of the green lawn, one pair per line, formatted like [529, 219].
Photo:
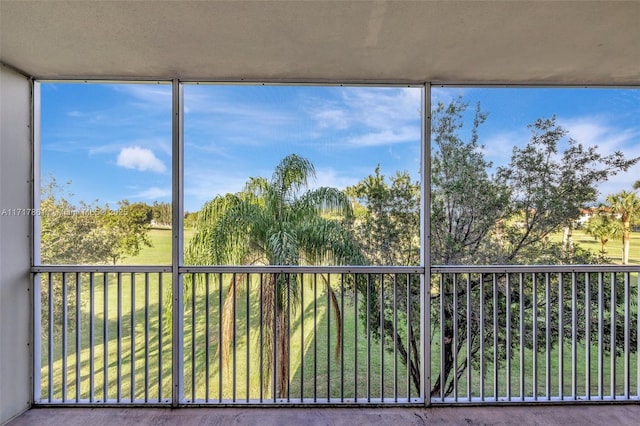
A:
[313, 364]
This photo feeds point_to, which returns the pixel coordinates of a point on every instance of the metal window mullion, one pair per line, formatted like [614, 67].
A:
[177, 173]
[36, 335]
[425, 247]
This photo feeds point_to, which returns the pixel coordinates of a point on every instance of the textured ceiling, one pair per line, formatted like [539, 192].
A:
[572, 42]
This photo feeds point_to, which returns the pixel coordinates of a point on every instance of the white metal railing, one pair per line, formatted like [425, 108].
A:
[535, 333]
[335, 335]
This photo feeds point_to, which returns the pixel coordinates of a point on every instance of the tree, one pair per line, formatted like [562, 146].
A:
[389, 233]
[504, 218]
[125, 231]
[603, 227]
[627, 205]
[274, 222]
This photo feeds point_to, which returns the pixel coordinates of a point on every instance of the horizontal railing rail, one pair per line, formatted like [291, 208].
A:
[338, 335]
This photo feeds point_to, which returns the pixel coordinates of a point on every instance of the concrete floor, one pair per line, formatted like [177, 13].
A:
[609, 415]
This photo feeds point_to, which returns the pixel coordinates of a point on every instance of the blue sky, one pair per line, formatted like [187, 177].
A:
[113, 141]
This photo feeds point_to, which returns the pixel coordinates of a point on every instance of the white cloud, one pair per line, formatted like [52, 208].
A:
[386, 137]
[141, 159]
[154, 193]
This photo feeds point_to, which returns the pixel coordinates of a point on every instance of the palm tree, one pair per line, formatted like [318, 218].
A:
[627, 205]
[275, 222]
[603, 227]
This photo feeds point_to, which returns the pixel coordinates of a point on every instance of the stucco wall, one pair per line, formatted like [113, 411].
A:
[15, 193]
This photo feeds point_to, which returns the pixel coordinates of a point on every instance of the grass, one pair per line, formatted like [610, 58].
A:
[369, 371]
[613, 247]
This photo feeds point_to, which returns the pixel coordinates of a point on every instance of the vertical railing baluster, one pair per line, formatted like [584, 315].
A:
[612, 349]
[220, 338]
[328, 337]
[508, 336]
[315, 337]
[193, 337]
[287, 330]
[561, 335]
[92, 342]
[64, 336]
[147, 302]
[409, 336]
[133, 338]
[534, 353]
[587, 334]
[627, 371]
[468, 337]
[355, 336]
[521, 322]
[382, 333]
[547, 281]
[442, 337]
[369, 337]
[574, 338]
[119, 341]
[395, 337]
[207, 337]
[495, 339]
[248, 337]
[78, 337]
[302, 351]
[274, 343]
[105, 337]
[234, 344]
[51, 336]
[601, 335]
[482, 337]
[261, 336]
[342, 338]
[454, 342]
[160, 332]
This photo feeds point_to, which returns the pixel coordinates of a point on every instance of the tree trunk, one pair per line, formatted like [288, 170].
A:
[626, 240]
[282, 362]
[441, 382]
